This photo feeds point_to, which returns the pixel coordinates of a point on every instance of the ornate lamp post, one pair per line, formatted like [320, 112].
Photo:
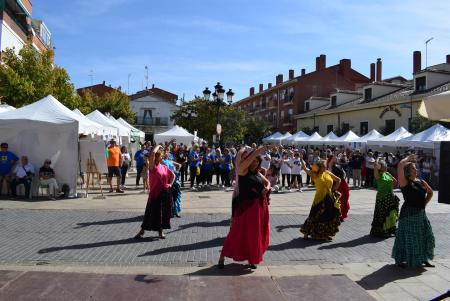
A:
[218, 100]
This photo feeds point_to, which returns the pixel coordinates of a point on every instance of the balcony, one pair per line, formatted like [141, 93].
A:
[153, 121]
[287, 121]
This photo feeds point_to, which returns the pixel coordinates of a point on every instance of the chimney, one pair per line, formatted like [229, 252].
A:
[279, 79]
[269, 86]
[417, 61]
[291, 74]
[379, 71]
[261, 88]
[104, 83]
[303, 72]
[317, 63]
[447, 60]
[280, 76]
[323, 61]
[252, 91]
[372, 72]
[153, 86]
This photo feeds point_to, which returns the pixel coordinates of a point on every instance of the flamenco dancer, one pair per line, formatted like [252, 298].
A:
[324, 218]
[159, 205]
[386, 204]
[248, 238]
[343, 188]
[414, 241]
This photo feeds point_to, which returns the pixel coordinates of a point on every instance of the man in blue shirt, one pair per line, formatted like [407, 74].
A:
[226, 167]
[194, 163]
[7, 161]
[139, 158]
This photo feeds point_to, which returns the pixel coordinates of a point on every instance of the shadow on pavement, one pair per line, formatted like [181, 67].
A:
[216, 242]
[387, 274]
[297, 243]
[133, 219]
[232, 269]
[98, 244]
[222, 223]
[146, 279]
[363, 240]
[281, 228]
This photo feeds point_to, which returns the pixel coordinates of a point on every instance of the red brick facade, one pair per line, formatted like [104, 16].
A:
[99, 89]
[272, 106]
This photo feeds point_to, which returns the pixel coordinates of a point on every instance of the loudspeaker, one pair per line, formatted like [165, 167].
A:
[444, 173]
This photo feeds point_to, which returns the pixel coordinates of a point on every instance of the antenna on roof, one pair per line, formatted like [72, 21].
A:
[146, 76]
[91, 75]
[426, 51]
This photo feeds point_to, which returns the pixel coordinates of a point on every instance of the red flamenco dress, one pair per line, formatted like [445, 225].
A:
[248, 238]
[344, 190]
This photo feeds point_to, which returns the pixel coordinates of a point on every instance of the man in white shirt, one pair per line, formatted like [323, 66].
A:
[23, 174]
[265, 163]
[296, 172]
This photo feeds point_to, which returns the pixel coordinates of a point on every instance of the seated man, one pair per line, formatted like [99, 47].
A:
[7, 162]
[47, 177]
[23, 174]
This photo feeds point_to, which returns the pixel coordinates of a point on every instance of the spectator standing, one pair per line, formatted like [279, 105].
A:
[23, 174]
[126, 162]
[114, 163]
[370, 164]
[139, 158]
[356, 162]
[7, 162]
[194, 166]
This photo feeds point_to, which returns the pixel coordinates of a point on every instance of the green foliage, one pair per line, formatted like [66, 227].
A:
[307, 130]
[116, 103]
[30, 76]
[420, 123]
[231, 119]
[255, 130]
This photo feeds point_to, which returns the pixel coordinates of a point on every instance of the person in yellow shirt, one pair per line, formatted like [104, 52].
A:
[114, 162]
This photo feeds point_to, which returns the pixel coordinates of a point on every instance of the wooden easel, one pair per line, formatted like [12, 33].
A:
[93, 175]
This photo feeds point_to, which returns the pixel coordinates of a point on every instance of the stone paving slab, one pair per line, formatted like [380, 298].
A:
[195, 239]
[74, 286]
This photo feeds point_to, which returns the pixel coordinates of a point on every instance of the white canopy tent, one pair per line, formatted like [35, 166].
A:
[273, 136]
[280, 139]
[391, 139]
[177, 132]
[373, 134]
[429, 138]
[121, 131]
[327, 139]
[45, 129]
[436, 107]
[6, 108]
[104, 130]
[291, 139]
[346, 138]
[310, 140]
[134, 131]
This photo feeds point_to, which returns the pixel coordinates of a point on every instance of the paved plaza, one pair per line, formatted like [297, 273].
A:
[94, 235]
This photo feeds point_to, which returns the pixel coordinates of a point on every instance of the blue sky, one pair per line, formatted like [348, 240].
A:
[189, 45]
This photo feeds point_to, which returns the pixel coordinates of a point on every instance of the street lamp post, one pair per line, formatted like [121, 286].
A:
[218, 100]
[189, 113]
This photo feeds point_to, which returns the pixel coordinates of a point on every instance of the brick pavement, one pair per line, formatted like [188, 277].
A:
[106, 238]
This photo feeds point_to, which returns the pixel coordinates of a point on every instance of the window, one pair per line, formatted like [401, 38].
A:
[282, 94]
[282, 114]
[291, 94]
[147, 113]
[329, 128]
[316, 129]
[275, 96]
[363, 128]
[421, 83]
[333, 100]
[368, 94]
[389, 126]
[307, 106]
[345, 127]
[289, 116]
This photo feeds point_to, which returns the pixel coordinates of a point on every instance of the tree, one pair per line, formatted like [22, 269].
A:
[29, 76]
[255, 130]
[204, 122]
[420, 123]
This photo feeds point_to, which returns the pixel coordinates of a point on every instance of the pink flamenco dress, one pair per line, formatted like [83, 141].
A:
[249, 233]
[159, 205]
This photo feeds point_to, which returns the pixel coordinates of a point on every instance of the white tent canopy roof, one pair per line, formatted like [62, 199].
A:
[427, 138]
[280, 139]
[327, 139]
[98, 117]
[346, 138]
[178, 133]
[291, 139]
[373, 134]
[49, 109]
[436, 107]
[273, 136]
[6, 108]
[311, 139]
[391, 139]
[138, 132]
[122, 128]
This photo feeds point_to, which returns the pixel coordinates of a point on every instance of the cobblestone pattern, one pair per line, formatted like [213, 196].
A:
[99, 237]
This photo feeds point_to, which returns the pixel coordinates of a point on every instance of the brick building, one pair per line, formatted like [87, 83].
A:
[278, 103]
[98, 89]
[18, 27]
